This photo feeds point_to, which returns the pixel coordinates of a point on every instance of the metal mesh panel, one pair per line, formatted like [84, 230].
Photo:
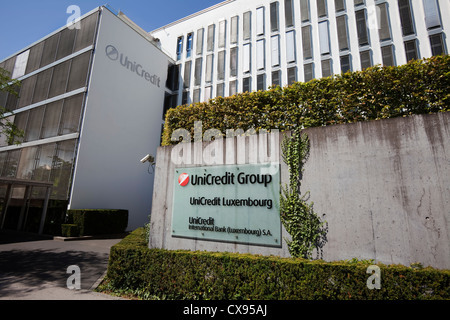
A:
[26, 91]
[50, 125]
[66, 43]
[42, 85]
[70, 121]
[59, 79]
[34, 60]
[79, 71]
[26, 165]
[86, 34]
[34, 125]
[49, 51]
[62, 167]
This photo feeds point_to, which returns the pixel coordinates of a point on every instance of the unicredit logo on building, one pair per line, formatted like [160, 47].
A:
[183, 179]
[228, 178]
[115, 55]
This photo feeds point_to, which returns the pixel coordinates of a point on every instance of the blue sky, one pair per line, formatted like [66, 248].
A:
[26, 21]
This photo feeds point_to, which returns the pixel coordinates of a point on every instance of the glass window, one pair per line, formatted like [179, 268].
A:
[71, 114]
[221, 65]
[42, 85]
[198, 72]
[11, 164]
[49, 51]
[361, 27]
[274, 26]
[20, 120]
[304, 10]
[387, 55]
[307, 45]
[222, 33]
[34, 124]
[324, 38]
[66, 43]
[59, 79]
[234, 29]
[358, 2]
[189, 40]
[62, 166]
[341, 23]
[308, 72]
[26, 91]
[384, 28]
[233, 62]
[292, 75]
[27, 162]
[179, 47]
[288, 13]
[260, 22]
[34, 60]
[196, 96]
[199, 44]
[52, 116]
[411, 50]
[44, 162]
[432, 17]
[86, 34]
[79, 71]
[366, 59]
[275, 46]
[404, 7]
[220, 90]
[210, 40]
[260, 54]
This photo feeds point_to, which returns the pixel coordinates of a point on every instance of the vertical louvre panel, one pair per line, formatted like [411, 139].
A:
[339, 5]
[324, 38]
[308, 72]
[274, 26]
[199, 43]
[246, 58]
[187, 74]
[198, 72]
[233, 88]
[66, 43]
[246, 84]
[261, 82]
[431, 10]
[233, 62]
[79, 71]
[288, 13]
[59, 79]
[209, 68]
[34, 60]
[321, 8]
[404, 7]
[345, 63]
[34, 124]
[221, 65]
[275, 46]
[304, 10]
[260, 21]
[387, 55]
[437, 44]
[50, 125]
[210, 40]
[411, 50]
[26, 91]
[222, 33]
[70, 121]
[366, 59]
[62, 169]
[276, 81]
[384, 29]
[44, 162]
[234, 30]
[86, 34]
[247, 25]
[42, 85]
[220, 90]
[326, 68]
[361, 27]
[26, 167]
[49, 51]
[306, 37]
[260, 54]
[342, 31]
[290, 46]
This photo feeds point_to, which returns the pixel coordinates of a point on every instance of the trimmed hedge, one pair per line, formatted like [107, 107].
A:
[228, 276]
[419, 87]
[70, 230]
[98, 221]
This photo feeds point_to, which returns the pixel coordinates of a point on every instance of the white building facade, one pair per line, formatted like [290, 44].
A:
[246, 45]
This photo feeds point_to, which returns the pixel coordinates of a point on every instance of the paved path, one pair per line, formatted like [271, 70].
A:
[35, 268]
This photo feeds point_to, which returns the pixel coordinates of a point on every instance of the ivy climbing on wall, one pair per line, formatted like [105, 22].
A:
[308, 232]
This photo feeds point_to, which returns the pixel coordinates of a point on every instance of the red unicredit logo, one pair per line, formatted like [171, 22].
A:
[183, 179]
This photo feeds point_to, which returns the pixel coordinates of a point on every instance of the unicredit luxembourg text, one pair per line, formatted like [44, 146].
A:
[222, 201]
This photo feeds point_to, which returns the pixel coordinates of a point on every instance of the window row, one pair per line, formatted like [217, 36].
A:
[62, 78]
[54, 119]
[47, 163]
[54, 48]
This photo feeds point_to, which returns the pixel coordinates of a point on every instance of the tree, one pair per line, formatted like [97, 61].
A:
[7, 127]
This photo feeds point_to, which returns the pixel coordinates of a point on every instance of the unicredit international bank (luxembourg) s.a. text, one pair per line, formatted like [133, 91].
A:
[232, 203]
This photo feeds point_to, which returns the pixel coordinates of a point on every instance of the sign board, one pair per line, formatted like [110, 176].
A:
[231, 203]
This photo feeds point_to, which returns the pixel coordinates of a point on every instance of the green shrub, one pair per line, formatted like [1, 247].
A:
[70, 230]
[98, 221]
[228, 276]
[419, 87]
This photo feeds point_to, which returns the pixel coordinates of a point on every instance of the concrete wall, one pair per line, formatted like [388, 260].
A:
[382, 186]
